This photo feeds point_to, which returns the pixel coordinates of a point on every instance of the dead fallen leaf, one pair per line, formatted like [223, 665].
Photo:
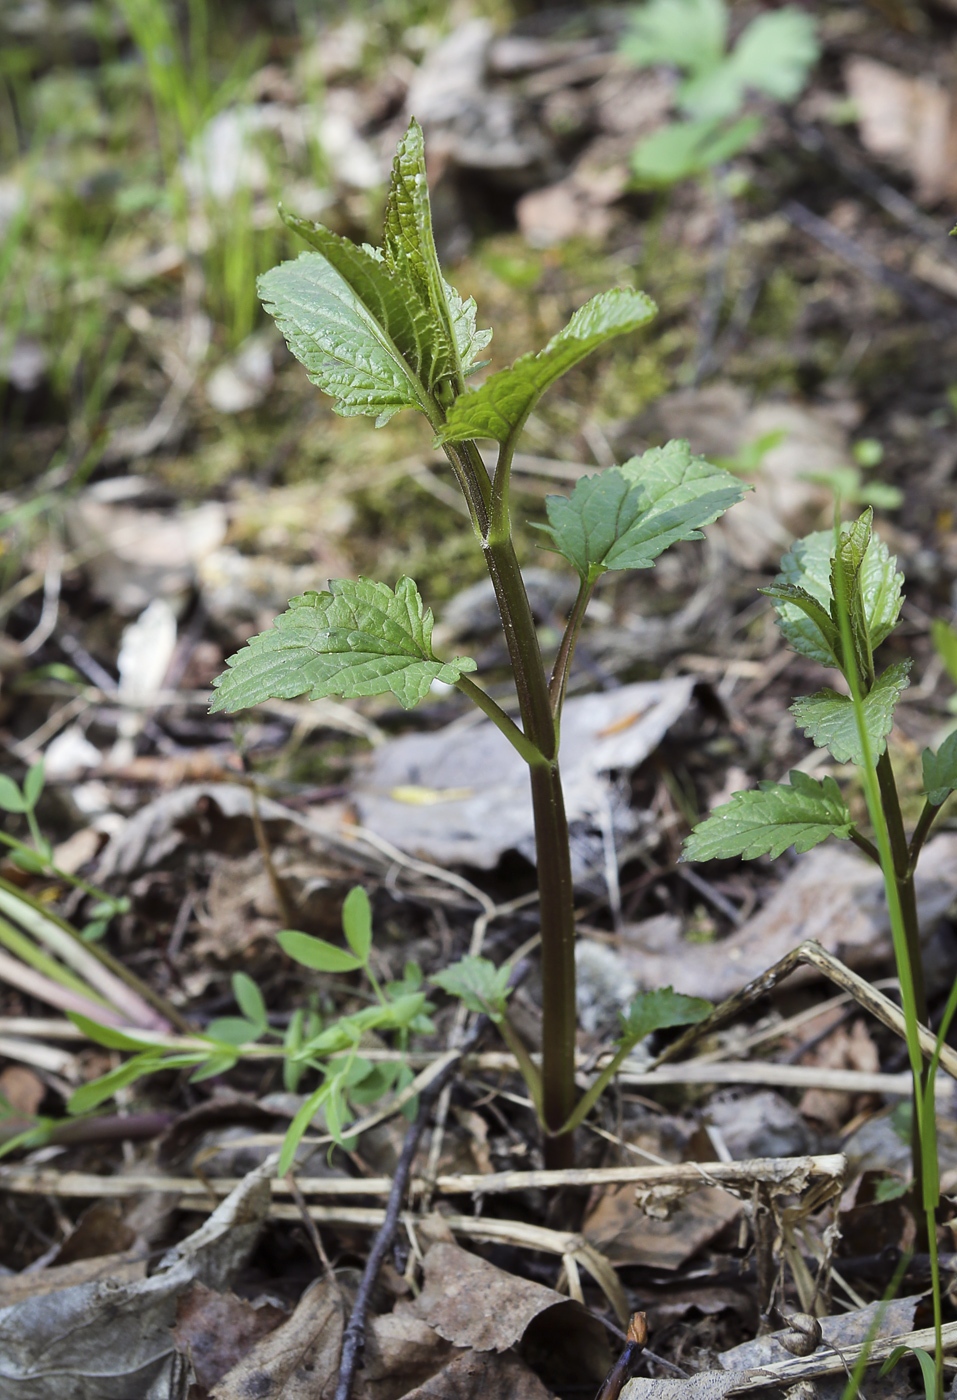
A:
[116, 1268]
[843, 1049]
[216, 1330]
[23, 1090]
[100, 1230]
[401, 1352]
[471, 1302]
[482, 1376]
[832, 895]
[842, 1330]
[626, 1235]
[297, 1361]
[139, 555]
[615, 729]
[108, 1340]
[907, 121]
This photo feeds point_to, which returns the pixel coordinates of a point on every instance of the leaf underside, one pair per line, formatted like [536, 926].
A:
[360, 638]
[769, 819]
[828, 720]
[499, 408]
[626, 516]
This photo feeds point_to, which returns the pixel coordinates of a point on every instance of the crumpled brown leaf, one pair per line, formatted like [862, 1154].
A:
[215, 1330]
[475, 1375]
[111, 1340]
[832, 894]
[627, 1235]
[471, 1302]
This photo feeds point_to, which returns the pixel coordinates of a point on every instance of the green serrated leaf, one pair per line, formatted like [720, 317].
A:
[653, 1011]
[767, 821]
[403, 317]
[688, 34]
[478, 983]
[808, 566]
[626, 517]
[816, 629]
[500, 407]
[409, 250]
[316, 952]
[683, 150]
[11, 798]
[940, 771]
[827, 718]
[360, 638]
[344, 349]
[357, 922]
[249, 999]
[846, 592]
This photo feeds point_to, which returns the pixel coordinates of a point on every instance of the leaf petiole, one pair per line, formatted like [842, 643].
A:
[532, 755]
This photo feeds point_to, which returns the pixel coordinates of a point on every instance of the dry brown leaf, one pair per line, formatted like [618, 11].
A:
[832, 895]
[297, 1361]
[844, 1049]
[23, 1090]
[907, 121]
[216, 1330]
[118, 1268]
[482, 1376]
[471, 1302]
[100, 1230]
[401, 1352]
[626, 1235]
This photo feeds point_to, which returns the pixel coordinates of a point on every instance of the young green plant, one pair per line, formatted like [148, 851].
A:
[381, 330]
[333, 1050]
[838, 597]
[772, 57]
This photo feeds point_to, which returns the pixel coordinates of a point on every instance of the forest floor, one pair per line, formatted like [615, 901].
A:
[169, 479]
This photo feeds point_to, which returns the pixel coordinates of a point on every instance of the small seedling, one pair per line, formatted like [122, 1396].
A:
[332, 1050]
[772, 57]
[838, 598]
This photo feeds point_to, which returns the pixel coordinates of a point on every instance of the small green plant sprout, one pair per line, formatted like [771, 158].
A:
[333, 1050]
[38, 859]
[849, 484]
[380, 330]
[772, 57]
[838, 597]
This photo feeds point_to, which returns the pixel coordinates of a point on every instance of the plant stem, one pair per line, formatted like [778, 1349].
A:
[868, 847]
[553, 857]
[566, 652]
[528, 1067]
[557, 914]
[499, 718]
[924, 824]
[904, 875]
